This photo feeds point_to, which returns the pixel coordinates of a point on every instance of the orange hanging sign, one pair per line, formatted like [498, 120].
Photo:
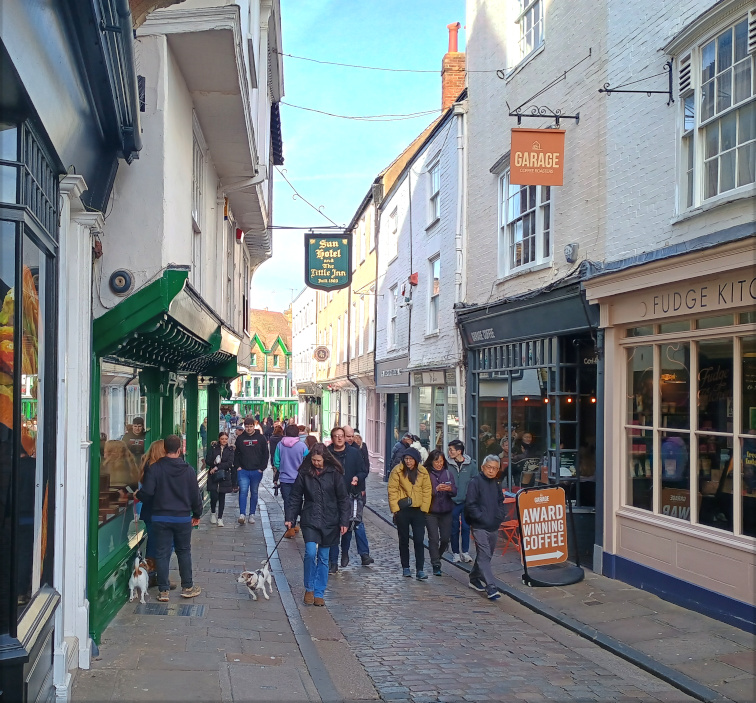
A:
[537, 157]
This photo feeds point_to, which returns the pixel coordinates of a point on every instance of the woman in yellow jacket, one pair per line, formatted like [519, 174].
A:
[409, 494]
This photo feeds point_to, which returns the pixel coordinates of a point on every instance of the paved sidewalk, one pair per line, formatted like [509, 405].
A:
[712, 653]
[231, 649]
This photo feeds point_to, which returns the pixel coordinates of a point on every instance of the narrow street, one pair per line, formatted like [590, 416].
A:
[381, 636]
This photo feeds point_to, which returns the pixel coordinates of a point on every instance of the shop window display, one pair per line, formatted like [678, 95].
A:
[693, 427]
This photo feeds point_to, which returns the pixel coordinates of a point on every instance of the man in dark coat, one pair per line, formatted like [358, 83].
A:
[399, 449]
[484, 511]
[355, 473]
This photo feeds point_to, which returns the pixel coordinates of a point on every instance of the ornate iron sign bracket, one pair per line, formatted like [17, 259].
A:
[541, 112]
[667, 67]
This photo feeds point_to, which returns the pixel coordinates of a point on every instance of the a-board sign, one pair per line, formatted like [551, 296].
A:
[328, 260]
[543, 526]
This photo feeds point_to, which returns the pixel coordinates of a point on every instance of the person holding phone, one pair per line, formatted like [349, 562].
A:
[439, 520]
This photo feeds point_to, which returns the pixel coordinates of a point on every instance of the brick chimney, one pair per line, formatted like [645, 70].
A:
[452, 69]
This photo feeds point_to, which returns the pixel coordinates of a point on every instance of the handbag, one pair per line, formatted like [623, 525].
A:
[404, 502]
[219, 476]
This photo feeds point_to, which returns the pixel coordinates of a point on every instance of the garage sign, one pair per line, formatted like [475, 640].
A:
[537, 157]
[543, 526]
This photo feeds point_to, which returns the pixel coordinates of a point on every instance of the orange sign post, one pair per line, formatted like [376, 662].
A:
[542, 513]
[537, 157]
[543, 524]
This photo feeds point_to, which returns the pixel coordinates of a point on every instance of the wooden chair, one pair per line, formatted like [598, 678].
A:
[510, 528]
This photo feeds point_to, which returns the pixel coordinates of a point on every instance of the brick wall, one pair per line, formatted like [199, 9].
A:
[452, 78]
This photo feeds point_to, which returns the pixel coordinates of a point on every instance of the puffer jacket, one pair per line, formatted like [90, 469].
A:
[226, 455]
[320, 502]
[399, 486]
[484, 504]
[442, 500]
[288, 458]
[462, 474]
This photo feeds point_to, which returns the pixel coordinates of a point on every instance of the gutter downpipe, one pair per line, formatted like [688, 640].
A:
[134, 145]
[349, 350]
[459, 113]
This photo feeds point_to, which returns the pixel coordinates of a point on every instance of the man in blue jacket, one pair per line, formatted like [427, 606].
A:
[355, 473]
[464, 468]
[171, 484]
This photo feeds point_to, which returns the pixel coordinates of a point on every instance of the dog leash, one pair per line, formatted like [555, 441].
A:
[270, 556]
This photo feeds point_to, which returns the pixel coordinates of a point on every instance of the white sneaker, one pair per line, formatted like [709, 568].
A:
[466, 557]
[251, 521]
[455, 558]
[220, 522]
[213, 519]
[242, 519]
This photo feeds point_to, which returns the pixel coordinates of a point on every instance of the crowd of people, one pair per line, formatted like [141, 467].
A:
[323, 489]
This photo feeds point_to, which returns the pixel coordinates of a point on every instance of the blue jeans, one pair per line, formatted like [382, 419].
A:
[458, 514]
[285, 493]
[346, 541]
[249, 482]
[316, 568]
[178, 534]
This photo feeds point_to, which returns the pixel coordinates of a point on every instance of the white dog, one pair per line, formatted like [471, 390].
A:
[139, 579]
[256, 580]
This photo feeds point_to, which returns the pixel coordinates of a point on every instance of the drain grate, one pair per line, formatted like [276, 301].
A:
[196, 611]
[218, 570]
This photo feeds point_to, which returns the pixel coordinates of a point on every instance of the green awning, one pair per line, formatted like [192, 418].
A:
[167, 324]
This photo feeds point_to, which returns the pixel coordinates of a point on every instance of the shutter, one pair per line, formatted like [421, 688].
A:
[752, 32]
[684, 75]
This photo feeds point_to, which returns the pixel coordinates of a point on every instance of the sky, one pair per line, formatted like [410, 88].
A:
[330, 161]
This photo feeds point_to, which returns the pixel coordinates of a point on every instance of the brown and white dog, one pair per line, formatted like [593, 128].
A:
[256, 580]
[139, 579]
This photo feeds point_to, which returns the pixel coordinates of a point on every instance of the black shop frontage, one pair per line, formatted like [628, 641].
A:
[534, 397]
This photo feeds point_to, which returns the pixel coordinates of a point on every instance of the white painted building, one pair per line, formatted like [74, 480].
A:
[304, 338]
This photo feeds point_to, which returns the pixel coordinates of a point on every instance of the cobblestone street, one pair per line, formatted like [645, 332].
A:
[381, 636]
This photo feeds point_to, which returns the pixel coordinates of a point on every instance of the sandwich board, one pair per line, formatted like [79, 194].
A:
[542, 514]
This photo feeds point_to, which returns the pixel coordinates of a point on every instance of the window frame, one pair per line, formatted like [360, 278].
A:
[434, 191]
[434, 297]
[544, 230]
[393, 229]
[691, 140]
[199, 150]
[527, 7]
[391, 327]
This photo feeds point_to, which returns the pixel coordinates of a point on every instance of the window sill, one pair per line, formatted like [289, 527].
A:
[525, 61]
[432, 224]
[523, 271]
[392, 260]
[430, 335]
[730, 196]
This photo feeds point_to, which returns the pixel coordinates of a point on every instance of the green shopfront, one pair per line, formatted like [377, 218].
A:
[162, 362]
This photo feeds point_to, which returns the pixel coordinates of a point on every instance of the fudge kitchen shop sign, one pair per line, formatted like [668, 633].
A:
[328, 260]
[537, 157]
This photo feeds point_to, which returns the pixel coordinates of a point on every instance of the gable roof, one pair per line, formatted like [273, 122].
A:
[269, 325]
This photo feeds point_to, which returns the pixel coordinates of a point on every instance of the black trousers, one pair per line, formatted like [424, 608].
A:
[415, 518]
[219, 499]
[439, 535]
[178, 534]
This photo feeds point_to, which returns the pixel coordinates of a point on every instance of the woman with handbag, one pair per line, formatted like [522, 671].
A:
[222, 476]
[409, 494]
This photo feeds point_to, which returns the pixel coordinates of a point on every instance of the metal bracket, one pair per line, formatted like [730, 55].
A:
[109, 27]
[667, 67]
[541, 112]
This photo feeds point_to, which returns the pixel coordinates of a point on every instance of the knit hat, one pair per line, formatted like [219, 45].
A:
[411, 451]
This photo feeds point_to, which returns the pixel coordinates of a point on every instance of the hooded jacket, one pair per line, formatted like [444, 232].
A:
[226, 463]
[484, 504]
[399, 485]
[442, 500]
[251, 452]
[462, 474]
[290, 452]
[171, 485]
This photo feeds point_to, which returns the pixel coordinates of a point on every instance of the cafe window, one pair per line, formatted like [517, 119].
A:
[692, 403]
[28, 250]
[123, 444]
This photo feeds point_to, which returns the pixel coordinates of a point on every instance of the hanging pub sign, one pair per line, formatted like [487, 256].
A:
[537, 157]
[328, 261]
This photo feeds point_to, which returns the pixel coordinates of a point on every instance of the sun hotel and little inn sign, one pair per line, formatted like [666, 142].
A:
[328, 261]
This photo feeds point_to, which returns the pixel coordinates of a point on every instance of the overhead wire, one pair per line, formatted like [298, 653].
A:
[297, 194]
[367, 118]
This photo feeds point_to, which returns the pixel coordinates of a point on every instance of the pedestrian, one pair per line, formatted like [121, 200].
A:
[120, 466]
[276, 437]
[399, 448]
[360, 444]
[287, 459]
[250, 460]
[484, 511]
[310, 441]
[319, 499]
[355, 474]
[463, 468]
[155, 452]
[439, 517]
[302, 432]
[203, 435]
[234, 434]
[135, 438]
[222, 476]
[409, 494]
[171, 484]
[268, 430]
